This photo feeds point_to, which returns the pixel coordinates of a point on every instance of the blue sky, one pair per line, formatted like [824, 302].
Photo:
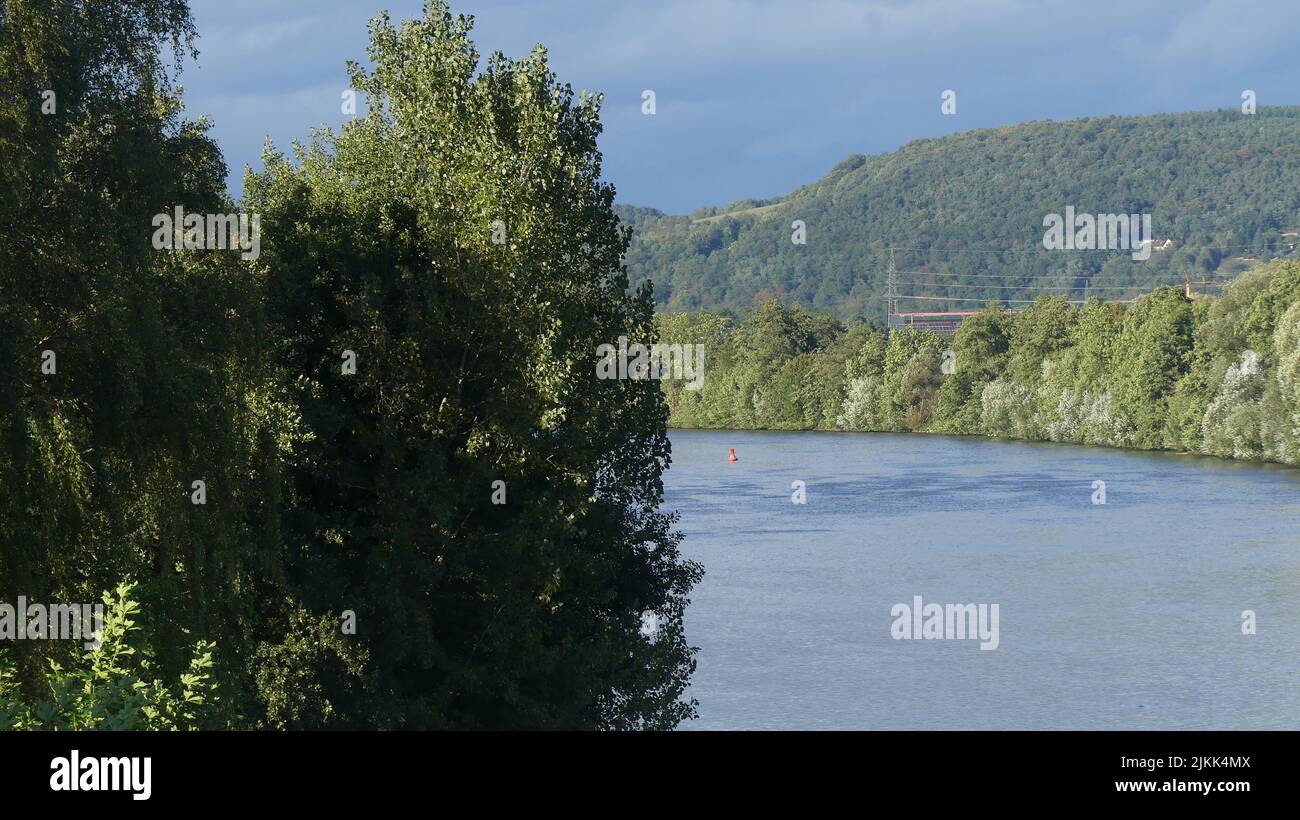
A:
[756, 97]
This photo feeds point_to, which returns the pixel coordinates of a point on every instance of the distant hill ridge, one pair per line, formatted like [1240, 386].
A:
[1222, 185]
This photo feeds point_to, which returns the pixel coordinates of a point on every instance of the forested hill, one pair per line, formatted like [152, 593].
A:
[1223, 185]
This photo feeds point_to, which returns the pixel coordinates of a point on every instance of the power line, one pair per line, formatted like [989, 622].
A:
[1040, 249]
[953, 280]
[991, 275]
[982, 301]
[1053, 287]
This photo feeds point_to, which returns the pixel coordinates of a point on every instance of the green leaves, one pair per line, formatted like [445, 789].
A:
[157, 353]
[113, 687]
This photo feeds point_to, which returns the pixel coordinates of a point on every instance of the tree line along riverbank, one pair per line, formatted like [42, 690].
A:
[1217, 376]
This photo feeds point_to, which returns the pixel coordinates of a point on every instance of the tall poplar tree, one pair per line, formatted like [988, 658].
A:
[440, 275]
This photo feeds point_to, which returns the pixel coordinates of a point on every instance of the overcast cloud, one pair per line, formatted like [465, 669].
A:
[756, 97]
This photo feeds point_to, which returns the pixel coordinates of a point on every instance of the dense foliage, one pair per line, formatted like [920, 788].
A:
[354, 562]
[1223, 186]
[131, 372]
[115, 687]
[474, 366]
[1214, 376]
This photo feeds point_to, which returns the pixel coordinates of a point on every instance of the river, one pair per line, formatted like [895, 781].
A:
[1122, 615]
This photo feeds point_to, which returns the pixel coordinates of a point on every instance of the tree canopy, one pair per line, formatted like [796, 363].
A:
[417, 505]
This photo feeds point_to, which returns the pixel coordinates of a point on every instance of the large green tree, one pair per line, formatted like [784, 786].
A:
[458, 244]
[129, 370]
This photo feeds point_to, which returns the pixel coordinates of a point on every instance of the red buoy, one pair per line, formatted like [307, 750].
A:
[732, 457]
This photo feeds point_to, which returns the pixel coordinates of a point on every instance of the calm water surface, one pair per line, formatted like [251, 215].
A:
[1115, 616]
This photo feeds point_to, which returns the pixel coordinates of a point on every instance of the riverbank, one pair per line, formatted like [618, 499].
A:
[1216, 377]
